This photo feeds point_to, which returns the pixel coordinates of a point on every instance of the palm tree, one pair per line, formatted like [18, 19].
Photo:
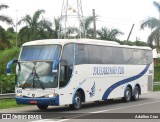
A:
[5, 18]
[36, 28]
[4, 42]
[154, 24]
[109, 34]
[87, 26]
[56, 27]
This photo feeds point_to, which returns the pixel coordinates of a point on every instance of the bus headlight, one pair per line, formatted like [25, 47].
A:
[51, 95]
[19, 95]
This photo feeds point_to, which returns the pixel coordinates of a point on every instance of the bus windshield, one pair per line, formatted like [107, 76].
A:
[35, 75]
[40, 53]
[35, 67]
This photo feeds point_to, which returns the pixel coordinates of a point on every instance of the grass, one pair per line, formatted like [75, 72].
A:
[156, 88]
[8, 103]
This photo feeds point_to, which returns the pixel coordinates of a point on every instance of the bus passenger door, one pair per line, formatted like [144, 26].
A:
[66, 68]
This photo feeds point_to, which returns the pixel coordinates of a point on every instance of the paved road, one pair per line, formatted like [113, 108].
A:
[148, 103]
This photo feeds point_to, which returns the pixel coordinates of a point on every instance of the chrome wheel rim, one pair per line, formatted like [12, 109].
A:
[128, 95]
[136, 94]
[77, 101]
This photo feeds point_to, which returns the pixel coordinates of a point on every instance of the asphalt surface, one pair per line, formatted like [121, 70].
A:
[146, 109]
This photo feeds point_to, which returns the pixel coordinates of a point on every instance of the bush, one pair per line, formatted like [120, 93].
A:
[157, 73]
[7, 82]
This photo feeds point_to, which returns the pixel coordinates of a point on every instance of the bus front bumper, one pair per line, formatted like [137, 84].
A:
[38, 101]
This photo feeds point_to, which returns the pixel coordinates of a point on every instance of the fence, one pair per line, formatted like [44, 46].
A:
[156, 83]
[6, 96]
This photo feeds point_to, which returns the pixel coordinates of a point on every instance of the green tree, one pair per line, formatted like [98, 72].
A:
[56, 27]
[7, 82]
[87, 26]
[154, 24]
[11, 36]
[5, 18]
[109, 34]
[4, 43]
[36, 27]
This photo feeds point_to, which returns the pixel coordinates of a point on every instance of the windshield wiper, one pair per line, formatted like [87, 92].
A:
[35, 76]
[40, 82]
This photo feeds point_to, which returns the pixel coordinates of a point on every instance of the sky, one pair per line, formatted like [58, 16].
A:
[119, 14]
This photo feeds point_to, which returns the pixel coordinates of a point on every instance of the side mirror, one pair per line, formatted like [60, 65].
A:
[8, 70]
[55, 65]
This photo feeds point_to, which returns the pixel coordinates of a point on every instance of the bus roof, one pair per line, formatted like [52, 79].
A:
[81, 41]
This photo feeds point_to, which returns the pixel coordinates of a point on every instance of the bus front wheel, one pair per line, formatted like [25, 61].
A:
[42, 107]
[76, 101]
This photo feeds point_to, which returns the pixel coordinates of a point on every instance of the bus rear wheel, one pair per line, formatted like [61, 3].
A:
[127, 95]
[136, 93]
[42, 107]
[77, 102]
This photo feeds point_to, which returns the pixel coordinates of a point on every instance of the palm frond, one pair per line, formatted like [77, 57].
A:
[57, 23]
[150, 23]
[27, 19]
[87, 22]
[6, 19]
[157, 5]
[154, 37]
[2, 6]
[114, 33]
[45, 24]
[71, 30]
[36, 15]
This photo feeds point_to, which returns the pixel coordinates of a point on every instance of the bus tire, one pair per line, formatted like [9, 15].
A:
[136, 93]
[127, 95]
[77, 102]
[42, 107]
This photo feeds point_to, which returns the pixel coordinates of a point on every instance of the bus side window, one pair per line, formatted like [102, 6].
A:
[146, 56]
[63, 76]
[137, 53]
[81, 54]
[128, 56]
[66, 65]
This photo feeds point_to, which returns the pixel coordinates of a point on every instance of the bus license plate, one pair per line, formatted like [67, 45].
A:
[33, 101]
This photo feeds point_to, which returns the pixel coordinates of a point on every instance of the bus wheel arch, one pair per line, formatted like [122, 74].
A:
[81, 91]
[78, 98]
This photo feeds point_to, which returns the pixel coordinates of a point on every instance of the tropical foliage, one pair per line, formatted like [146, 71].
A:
[36, 28]
[7, 82]
[7, 38]
[109, 34]
[5, 18]
[4, 42]
[154, 24]
[87, 26]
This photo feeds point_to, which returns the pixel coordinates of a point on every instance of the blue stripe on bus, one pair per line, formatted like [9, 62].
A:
[111, 88]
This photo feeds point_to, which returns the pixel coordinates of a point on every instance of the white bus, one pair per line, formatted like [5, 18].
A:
[72, 71]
